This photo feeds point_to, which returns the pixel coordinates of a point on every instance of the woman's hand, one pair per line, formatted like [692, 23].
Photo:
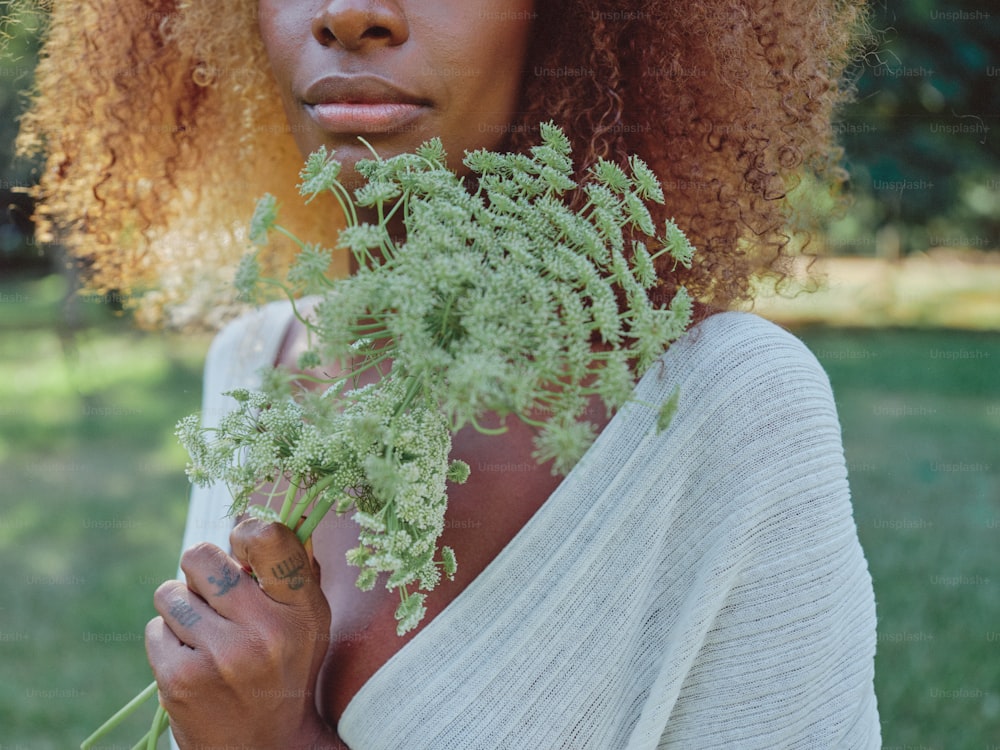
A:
[236, 659]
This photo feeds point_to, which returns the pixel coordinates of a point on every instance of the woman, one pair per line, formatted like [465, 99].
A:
[700, 588]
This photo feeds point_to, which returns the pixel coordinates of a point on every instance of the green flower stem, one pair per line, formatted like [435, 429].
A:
[297, 509]
[347, 206]
[309, 525]
[307, 324]
[306, 378]
[445, 315]
[281, 230]
[532, 422]
[412, 389]
[390, 519]
[370, 363]
[488, 430]
[364, 329]
[141, 744]
[364, 258]
[273, 282]
[164, 722]
[387, 248]
[399, 204]
[123, 713]
[286, 506]
[156, 729]
[161, 721]
[318, 512]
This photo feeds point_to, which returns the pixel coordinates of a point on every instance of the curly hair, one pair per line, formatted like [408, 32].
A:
[161, 125]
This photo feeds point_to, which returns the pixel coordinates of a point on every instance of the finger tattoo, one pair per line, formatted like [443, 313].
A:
[184, 613]
[290, 570]
[227, 580]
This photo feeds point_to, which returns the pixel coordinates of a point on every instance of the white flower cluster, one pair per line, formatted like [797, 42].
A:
[505, 299]
[389, 463]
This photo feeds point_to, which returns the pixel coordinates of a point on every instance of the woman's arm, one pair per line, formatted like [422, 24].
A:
[237, 650]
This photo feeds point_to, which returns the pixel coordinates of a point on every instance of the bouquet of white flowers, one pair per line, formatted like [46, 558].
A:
[522, 296]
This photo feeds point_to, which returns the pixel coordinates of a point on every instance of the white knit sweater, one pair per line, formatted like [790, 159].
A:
[699, 588]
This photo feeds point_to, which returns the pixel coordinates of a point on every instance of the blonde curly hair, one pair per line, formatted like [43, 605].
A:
[161, 125]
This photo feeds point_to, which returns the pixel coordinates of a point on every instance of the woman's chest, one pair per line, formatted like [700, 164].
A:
[506, 487]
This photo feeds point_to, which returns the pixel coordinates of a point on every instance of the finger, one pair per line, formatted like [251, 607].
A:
[169, 658]
[161, 643]
[219, 580]
[278, 560]
[184, 612]
[163, 647]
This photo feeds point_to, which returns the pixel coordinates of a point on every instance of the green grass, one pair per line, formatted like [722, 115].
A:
[94, 498]
[921, 421]
[94, 502]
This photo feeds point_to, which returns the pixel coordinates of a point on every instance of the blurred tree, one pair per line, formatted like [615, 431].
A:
[922, 141]
[19, 27]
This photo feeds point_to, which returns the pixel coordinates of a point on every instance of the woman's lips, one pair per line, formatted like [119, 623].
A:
[365, 117]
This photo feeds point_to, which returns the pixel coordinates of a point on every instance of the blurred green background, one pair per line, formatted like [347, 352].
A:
[907, 326]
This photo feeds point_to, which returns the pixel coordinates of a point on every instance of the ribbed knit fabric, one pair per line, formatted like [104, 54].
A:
[699, 588]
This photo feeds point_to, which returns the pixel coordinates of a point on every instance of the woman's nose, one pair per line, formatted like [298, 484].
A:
[359, 24]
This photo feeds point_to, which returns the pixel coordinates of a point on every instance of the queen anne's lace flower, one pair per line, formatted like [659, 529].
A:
[320, 173]
[491, 306]
[264, 216]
